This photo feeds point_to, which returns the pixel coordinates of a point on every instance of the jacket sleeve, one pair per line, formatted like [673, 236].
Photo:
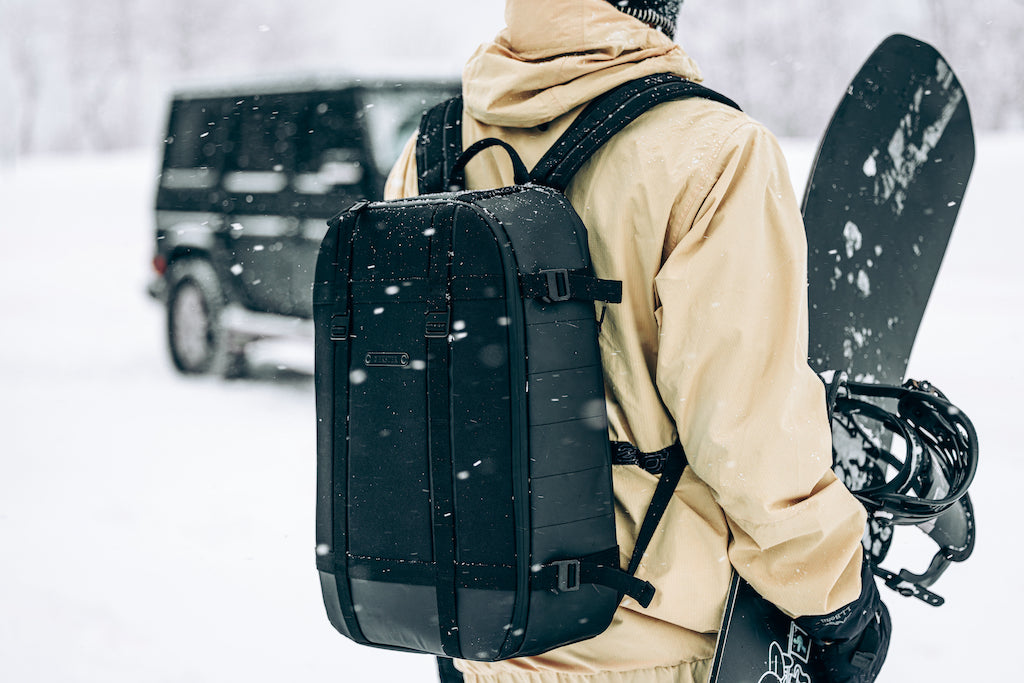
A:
[732, 370]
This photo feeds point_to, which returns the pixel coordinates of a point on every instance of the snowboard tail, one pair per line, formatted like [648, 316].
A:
[879, 209]
[782, 652]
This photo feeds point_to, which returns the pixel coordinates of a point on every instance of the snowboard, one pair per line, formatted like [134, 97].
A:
[879, 209]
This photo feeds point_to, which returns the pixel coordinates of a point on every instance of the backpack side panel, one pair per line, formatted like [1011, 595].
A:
[330, 298]
[572, 511]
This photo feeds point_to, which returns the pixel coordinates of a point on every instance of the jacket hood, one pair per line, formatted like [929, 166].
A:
[555, 55]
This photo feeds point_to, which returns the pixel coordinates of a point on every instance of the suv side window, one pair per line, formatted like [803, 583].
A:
[329, 149]
[266, 131]
[194, 149]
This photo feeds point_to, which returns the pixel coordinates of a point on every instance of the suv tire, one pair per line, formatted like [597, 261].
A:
[197, 340]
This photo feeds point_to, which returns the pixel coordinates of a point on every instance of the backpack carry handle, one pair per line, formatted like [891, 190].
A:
[457, 181]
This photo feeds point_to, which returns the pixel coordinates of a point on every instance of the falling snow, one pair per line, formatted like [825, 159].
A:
[188, 506]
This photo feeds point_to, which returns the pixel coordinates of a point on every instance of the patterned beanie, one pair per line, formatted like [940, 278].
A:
[661, 14]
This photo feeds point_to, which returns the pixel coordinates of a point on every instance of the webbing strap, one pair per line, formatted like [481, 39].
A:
[561, 284]
[438, 382]
[601, 569]
[447, 672]
[340, 355]
[670, 476]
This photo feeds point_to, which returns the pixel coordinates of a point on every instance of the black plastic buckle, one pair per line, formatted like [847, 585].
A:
[436, 324]
[339, 327]
[568, 575]
[557, 281]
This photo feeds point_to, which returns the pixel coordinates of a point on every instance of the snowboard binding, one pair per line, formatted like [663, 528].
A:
[909, 456]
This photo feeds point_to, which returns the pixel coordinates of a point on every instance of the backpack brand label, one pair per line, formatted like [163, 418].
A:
[387, 359]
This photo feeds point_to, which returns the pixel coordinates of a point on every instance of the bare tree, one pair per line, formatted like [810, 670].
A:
[95, 75]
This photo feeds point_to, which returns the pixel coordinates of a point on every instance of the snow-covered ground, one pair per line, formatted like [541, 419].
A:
[157, 528]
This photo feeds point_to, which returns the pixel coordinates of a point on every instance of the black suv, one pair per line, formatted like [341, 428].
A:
[249, 179]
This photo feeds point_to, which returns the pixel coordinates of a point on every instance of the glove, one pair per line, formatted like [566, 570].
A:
[853, 640]
[858, 660]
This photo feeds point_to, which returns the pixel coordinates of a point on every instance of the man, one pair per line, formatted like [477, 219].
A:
[692, 209]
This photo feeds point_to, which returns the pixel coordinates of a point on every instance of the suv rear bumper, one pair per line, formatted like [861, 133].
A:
[157, 288]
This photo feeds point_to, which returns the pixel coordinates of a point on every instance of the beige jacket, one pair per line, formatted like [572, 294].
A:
[692, 208]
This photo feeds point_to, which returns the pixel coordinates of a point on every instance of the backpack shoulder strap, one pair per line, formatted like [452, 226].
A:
[607, 115]
[438, 145]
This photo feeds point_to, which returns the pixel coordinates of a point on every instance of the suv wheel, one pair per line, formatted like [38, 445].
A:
[196, 339]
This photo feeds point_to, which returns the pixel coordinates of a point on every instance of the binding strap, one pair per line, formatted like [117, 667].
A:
[624, 453]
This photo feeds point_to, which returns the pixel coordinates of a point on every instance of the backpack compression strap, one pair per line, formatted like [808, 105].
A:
[603, 568]
[440, 138]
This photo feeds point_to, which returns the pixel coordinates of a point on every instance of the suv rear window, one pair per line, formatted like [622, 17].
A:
[194, 141]
[266, 133]
[328, 126]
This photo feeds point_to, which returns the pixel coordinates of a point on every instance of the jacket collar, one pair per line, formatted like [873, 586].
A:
[555, 55]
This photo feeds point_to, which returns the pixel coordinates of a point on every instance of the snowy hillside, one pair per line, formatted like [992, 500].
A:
[156, 528]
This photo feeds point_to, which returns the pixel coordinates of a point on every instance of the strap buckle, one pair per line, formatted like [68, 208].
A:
[568, 575]
[436, 324]
[339, 327]
[557, 282]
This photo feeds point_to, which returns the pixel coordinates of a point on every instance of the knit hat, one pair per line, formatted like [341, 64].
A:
[661, 14]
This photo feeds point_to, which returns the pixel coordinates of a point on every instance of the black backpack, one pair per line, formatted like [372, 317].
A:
[464, 490]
